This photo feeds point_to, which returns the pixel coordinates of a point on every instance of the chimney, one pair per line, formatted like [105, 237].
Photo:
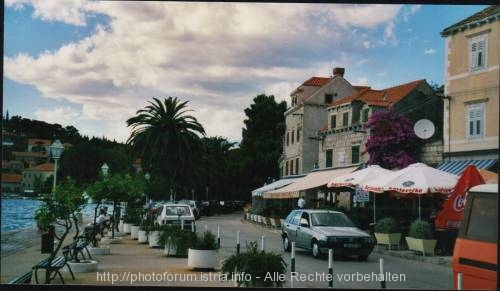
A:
[338, 71]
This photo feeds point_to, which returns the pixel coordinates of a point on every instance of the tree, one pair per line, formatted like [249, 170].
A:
[392, 143]
[262, 143]
[60, 208]
[167, 139]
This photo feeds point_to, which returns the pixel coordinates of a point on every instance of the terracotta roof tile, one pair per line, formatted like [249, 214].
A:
[490, 13]
[316, 81]
[30, 154]
[11, 178]
[381, 98]
[47, 167]
[34, 141]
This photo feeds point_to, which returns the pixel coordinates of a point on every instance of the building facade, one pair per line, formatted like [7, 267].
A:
[34, 177]
[344, 137]
[472, 54]
[305, 117]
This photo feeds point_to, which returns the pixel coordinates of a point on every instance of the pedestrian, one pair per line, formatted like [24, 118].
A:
[302, 202]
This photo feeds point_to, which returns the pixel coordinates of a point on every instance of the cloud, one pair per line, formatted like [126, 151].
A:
[429, 51]
[62, 115]
[216, 55]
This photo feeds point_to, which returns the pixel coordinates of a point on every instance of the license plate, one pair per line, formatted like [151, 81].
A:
[352, 246]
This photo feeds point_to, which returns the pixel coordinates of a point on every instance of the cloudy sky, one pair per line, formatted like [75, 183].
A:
[93, 64]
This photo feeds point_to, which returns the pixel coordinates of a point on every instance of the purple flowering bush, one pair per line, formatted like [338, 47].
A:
[392, 142]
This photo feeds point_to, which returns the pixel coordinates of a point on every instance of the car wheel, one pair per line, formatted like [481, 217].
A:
[315, 250]
[286, 243]
[363, 257]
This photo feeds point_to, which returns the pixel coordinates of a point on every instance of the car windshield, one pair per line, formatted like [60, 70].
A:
[177, 210]
[331, 219]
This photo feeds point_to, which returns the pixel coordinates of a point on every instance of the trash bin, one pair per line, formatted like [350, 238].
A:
[48, 241]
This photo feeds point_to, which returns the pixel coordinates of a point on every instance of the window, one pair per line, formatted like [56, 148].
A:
[481, 224]
[345, 119]
[355, 155]
[286, 168]
[328, 158]
[478, 52]
[287, 138]
[475, 121]
[291, 167]
[365, 115]
[293, 135]
[298, 134]
[296, 166]
[328, 98]
[333, 121]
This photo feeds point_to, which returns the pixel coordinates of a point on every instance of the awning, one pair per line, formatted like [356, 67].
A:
[457, 167]
[313, 180]
[276, 185]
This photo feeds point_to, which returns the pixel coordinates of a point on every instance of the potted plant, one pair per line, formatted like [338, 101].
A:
[257, 264]
[387, 232]
[154, 235]
[177, 241]
[420, 238]
[204, 252]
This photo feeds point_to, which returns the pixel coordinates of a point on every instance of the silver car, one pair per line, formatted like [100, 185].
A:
[318, 230]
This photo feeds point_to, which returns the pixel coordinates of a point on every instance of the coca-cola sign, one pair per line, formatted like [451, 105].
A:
[459, 203]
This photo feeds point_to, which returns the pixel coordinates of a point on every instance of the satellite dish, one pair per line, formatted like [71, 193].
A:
[424, 128]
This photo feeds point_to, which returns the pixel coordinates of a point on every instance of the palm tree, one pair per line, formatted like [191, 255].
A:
[166, 138]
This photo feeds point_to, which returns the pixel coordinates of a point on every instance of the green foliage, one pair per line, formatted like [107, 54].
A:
[207, 241]
[60, 208]
[262, 143]
[257, 264]
[172, 236]
[387, 225]
[420, 229]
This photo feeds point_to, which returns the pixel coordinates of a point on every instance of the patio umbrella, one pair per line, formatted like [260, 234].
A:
[356, 178]
[416, 179]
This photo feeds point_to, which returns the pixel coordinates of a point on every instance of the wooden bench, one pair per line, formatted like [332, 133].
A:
[23, 279]
[52, 268]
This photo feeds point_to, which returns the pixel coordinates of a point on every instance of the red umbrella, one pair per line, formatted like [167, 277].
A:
[453, 207]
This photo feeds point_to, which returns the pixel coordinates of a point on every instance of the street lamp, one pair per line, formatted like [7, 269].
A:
[56, 149]
[105, 169]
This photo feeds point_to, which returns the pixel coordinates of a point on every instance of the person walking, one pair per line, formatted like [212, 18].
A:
[302, 202]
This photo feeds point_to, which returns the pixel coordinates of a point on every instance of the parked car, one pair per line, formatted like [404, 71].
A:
[475, 252]
[318, 230]
[194, 206]
[176, 213]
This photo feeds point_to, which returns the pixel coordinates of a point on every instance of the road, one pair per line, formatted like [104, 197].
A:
[348, 273]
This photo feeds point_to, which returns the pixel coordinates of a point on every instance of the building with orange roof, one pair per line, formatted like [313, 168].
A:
[307, 114]
[34, 177]
[344, 137]
[11, 183]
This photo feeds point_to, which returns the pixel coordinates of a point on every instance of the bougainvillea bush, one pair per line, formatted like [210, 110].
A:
[392, 142]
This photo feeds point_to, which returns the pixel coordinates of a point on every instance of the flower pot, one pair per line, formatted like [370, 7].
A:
[153, 238]
[99, 251]
[142, 236]
[126, 227]
[425, 246]
[134, 232]
[203, 259]
[83, 266]
[120, 226]
[388, 238]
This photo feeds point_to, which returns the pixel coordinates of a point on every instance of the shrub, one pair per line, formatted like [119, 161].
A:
[421, 229]
[206, 242]
[387, 225]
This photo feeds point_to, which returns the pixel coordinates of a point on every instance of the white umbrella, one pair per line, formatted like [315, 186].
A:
[359, 177]
[416, 179]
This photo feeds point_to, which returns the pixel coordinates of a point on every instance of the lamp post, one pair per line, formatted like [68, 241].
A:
[56, 149]
[104, 169]
[147, 176]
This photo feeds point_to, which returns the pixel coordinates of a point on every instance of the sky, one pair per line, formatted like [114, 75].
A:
[93, 64]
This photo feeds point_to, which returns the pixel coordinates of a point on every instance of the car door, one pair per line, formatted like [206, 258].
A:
[292, 224]
[304, 232]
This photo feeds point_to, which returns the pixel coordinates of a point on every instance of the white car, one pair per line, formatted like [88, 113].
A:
[180, 214]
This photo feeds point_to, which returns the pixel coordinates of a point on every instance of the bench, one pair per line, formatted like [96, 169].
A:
[52, 266]
[23, 279]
